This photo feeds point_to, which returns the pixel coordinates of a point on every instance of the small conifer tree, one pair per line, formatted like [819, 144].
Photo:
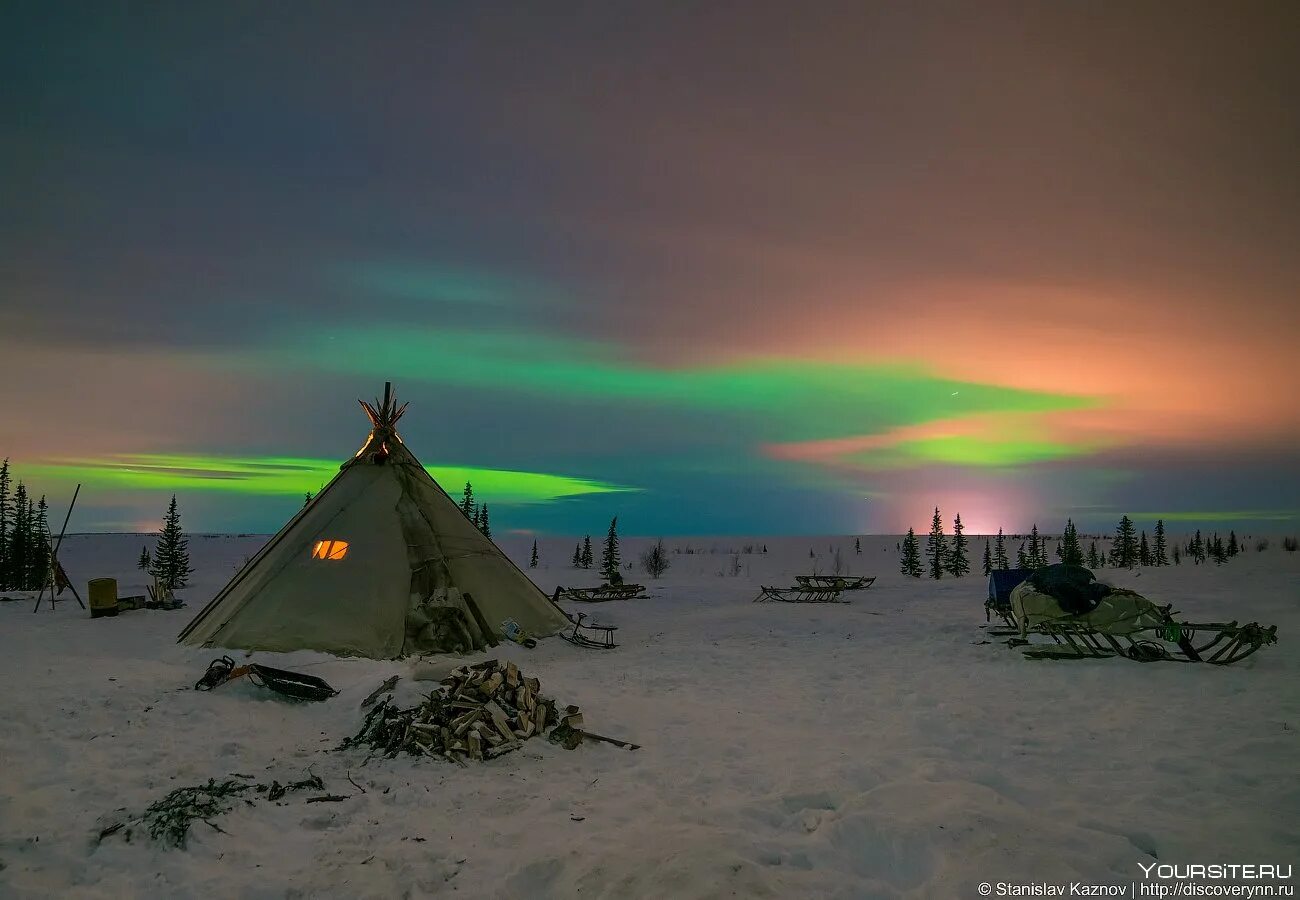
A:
[988, 558]
[143, 562]
[1160, 549]
[483, 524]
[1000, 560]
[1233, 547]
[958, 564]
[911, 560]
[532, 560]
[577, 556]
[857, 546]
[6, 524]
[586, 552]
[1178, 557]
[1034, 555]
[18, 553]
[467, 501]
[1124, 549]
[1092, 555]
[936, 547]
[40, 544]
[306, 500]
[1022, 558]
[609, 557]
[1068, 549]
[171, 558]
[1144, 551]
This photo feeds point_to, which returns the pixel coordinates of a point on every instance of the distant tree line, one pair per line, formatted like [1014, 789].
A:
[1128, 549]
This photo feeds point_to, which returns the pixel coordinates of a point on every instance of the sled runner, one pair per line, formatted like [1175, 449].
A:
[799, 594]
[1171, 642]
[836, 582]
[605, 592]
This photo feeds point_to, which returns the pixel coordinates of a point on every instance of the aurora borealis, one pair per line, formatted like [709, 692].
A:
[715, 270]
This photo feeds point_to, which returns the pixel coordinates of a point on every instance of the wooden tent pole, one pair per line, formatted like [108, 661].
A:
[54, 555]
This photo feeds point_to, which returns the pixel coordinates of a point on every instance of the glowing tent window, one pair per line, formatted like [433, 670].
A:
[329, 550]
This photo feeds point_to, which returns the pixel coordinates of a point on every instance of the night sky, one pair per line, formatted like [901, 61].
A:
[717, 268]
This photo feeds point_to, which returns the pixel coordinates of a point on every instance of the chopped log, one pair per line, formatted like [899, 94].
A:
[503, 749]
[388, 685]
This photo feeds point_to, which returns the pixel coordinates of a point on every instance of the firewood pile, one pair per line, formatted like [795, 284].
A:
[480, 712]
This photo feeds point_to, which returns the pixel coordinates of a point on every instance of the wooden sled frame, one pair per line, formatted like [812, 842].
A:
[1229, 641]
[581, 639]
[798, 595]
[836, 582]
[605, 593]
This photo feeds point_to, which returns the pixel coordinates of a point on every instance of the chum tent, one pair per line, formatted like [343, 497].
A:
[381, 563]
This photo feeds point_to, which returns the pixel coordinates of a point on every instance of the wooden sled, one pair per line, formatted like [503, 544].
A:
[799, 594]
[836, 582]
[1222, 643]
[585, 634]
[605, 593]
[589, 634]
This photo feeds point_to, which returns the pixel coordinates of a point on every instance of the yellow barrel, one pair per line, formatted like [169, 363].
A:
[103, 597]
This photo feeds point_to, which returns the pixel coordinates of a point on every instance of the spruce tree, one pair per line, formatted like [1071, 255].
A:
[1233, 547]
[467, 501]
[306, 500]
[1037, 557]
[41, 544]
[1124, 550]
[1092, 555]
[1144, 551]
[936, 547]
[143, 562]
[171, 558]
[577, 556]
[586, 552]
[19, 554]
[1022, 558]
[988, 558]
[910, 564]
[958, 564]
[1196, 549]
[1178, 559]
[6, 524]
[483, 524]
[477, 518]
[857, 546]
[532, 560]
[1159, 550]
[1069, 550]
[1220, 555]
[609, 557]
[1000, 560]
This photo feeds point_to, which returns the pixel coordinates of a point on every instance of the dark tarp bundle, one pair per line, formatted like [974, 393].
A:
[1074, 588]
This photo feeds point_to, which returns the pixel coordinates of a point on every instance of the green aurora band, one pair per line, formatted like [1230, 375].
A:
[272, 475]
[773, 399]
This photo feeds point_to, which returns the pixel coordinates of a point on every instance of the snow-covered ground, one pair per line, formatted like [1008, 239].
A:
[867, 750]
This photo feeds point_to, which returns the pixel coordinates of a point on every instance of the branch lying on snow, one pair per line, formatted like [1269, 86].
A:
[168, 820]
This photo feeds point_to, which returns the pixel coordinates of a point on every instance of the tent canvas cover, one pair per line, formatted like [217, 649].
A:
[382, 563]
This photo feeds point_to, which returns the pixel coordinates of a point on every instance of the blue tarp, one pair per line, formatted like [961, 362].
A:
[1003, 581]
